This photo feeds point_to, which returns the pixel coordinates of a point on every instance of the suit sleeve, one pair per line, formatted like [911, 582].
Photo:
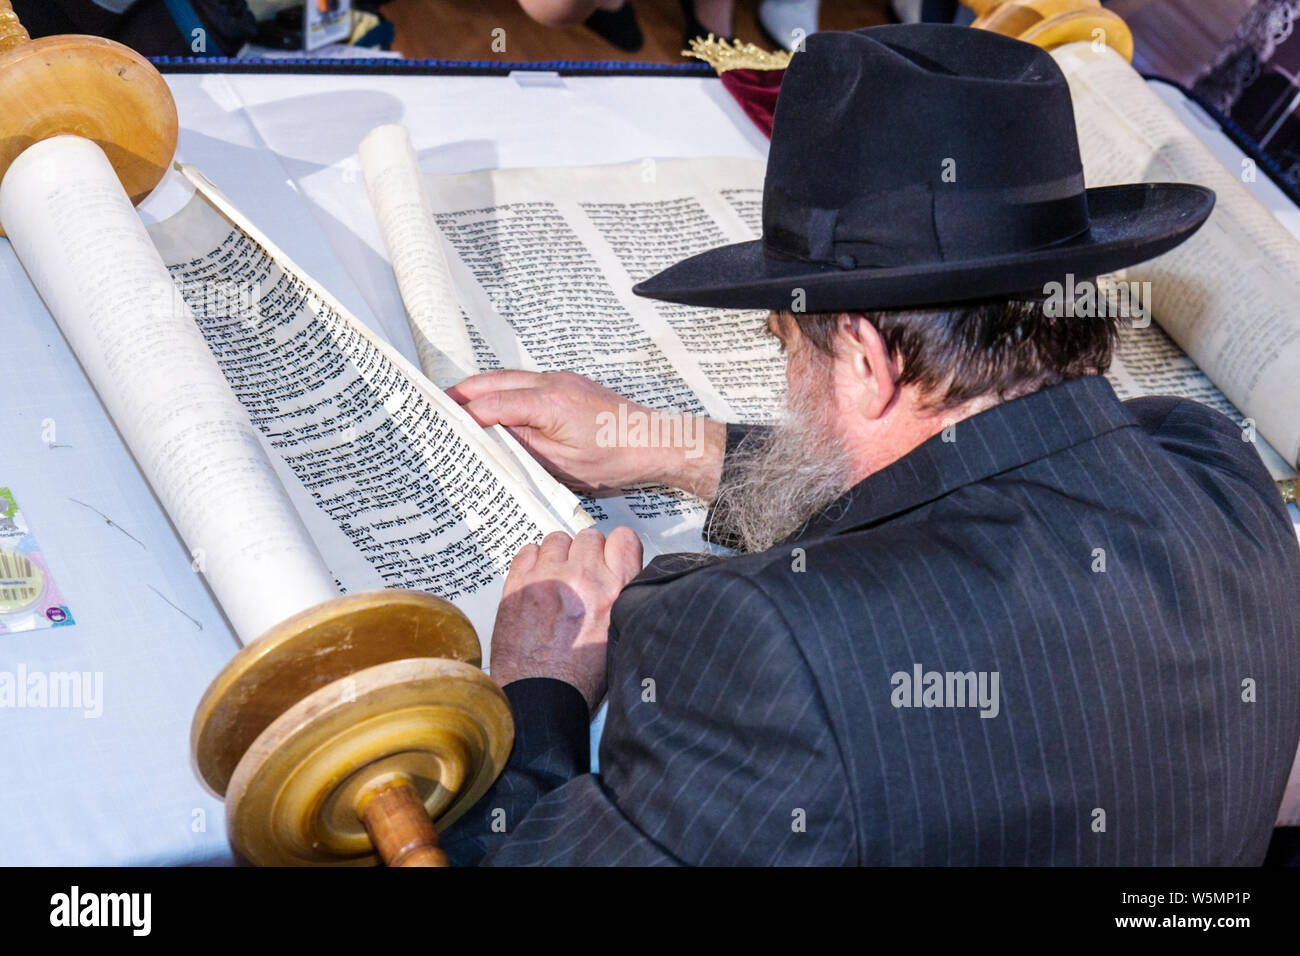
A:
[717, 747]
[552, 745]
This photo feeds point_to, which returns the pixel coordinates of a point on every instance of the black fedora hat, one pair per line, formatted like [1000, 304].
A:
[923, 164]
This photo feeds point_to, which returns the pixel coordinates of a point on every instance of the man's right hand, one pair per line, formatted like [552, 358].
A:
[558, 417]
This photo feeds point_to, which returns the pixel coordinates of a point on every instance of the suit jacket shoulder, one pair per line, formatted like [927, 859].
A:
[1115, 572]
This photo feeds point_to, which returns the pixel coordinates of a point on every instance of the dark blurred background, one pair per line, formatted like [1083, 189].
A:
[1175, 38]
[1241, 56]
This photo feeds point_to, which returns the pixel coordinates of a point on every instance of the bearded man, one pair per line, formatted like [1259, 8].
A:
[982, 612]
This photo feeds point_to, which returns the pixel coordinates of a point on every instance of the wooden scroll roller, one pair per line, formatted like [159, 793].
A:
[346, 725]
[1053, 23]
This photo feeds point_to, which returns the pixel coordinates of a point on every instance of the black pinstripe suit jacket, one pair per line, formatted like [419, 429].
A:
[1127, 570]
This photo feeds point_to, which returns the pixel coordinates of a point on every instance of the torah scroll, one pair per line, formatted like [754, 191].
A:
[329, 464]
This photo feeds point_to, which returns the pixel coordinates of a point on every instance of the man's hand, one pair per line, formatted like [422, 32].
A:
[553, 620]
[567, 422]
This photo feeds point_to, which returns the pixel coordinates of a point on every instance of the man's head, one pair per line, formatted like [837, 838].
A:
[865, 388]
[917, 163]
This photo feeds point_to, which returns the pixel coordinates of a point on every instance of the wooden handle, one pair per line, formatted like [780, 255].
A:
[398, 824]
[12, 32]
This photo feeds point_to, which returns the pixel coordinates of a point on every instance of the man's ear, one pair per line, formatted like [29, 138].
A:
[871, 365]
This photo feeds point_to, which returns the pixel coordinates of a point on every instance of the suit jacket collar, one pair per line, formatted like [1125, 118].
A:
[998, 439]
[1005, 436]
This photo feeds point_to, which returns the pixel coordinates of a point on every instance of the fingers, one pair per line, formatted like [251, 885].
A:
[545, 449]
[502, 379]
[588, 546]
[620, 552]
[555, 546]
[521, 566]
[512, 407]
[623, 553]
[525, 559]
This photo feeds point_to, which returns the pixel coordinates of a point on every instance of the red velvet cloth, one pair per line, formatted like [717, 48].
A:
[755, 91]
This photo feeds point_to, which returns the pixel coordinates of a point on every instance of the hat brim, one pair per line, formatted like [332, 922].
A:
[1128, 224]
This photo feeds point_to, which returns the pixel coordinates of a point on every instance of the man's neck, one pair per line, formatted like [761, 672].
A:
[873, 446]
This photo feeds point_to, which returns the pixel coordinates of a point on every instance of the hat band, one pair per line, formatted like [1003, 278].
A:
[913, 225]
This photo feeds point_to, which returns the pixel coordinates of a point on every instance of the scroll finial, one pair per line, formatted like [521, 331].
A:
[12, 32]
[725, 55]
[1053, 23]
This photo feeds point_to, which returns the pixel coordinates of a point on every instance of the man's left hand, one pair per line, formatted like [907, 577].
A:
[553, 620]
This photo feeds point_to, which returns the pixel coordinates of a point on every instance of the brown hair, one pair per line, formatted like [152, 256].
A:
[989, 348]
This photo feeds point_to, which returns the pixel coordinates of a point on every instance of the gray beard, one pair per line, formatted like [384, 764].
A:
[776, 483]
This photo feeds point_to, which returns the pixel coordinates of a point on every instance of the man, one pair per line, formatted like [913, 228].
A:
[983, 612]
